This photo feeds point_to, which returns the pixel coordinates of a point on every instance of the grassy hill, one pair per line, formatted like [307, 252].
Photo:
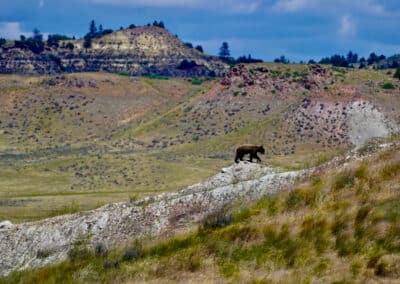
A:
[77, 141]
[339, 225]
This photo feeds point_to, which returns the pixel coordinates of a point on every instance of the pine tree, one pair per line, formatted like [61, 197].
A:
[199, 48]
[92, 29]
[87, 42]
[100, 30]
[224, 52]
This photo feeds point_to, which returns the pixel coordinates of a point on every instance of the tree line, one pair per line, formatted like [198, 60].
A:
[351, 60]
[225, 55]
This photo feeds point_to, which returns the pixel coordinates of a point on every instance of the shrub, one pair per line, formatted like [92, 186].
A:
[342, 180]
[235, 93]
[218, 219]
[133, 197]
[79, 249]
[307, 86]
[397, 73]
[43, 253]
[244, 94]
[245, 214]
[123, 74]
[185, 64]
[391, 170]
[388, 266]
[387, 86]
[196, 81]
[100, 250]
[157, 77]
[191, 263]
[302, 197]
[130, 254]
[70, 46]
[361, 171]
[316, 230]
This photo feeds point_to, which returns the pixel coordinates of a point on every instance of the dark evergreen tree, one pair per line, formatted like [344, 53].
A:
[199, 48]
[248, 59]
[188, 44]
[35, 43]
[224, 52]
[352, 57]
[161, 25]
[87, 41]
[2, 41]
[311, 61]
[21, 43]
[372, 58]
[132, 26]
[281, 59]
[339, 61]
[92, 29]
[100, 32]
[53, 40]
[107, 31]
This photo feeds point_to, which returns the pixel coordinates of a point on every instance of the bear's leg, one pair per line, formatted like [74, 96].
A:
[251, 157]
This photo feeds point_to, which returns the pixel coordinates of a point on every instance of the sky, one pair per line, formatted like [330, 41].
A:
[266, 29]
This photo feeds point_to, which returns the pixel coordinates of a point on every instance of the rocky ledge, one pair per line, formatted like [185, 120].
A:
[35, 244]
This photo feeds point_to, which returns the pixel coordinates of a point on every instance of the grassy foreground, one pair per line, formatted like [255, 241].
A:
[337, 226]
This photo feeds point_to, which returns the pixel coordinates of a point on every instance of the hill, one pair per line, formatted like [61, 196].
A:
[340, 223]
[137, 51]
[78, 141]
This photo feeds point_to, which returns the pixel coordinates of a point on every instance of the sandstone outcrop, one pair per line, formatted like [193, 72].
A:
[136, 52]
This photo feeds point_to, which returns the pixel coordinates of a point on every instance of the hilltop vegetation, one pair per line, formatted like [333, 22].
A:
[339, 225]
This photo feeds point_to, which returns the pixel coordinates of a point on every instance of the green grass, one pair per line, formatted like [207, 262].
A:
[157, 77]
[197, 81]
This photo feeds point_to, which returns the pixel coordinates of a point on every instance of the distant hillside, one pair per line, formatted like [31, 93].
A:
[137, 51]
[77, 141]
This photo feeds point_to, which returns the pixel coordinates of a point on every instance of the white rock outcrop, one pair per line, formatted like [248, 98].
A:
[35, 244]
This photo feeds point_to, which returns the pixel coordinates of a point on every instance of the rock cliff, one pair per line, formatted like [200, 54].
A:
[138, 51]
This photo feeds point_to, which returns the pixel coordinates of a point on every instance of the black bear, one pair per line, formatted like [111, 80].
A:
[249, 149]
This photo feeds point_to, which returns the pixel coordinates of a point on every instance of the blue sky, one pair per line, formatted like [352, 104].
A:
[298, 29]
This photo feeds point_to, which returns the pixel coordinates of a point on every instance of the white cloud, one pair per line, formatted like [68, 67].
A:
[364, 6]
[347, 26]
[293, 5]
[245, 8]
[12, 30]
[41, 3]
[151, 3]
[233, 6]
